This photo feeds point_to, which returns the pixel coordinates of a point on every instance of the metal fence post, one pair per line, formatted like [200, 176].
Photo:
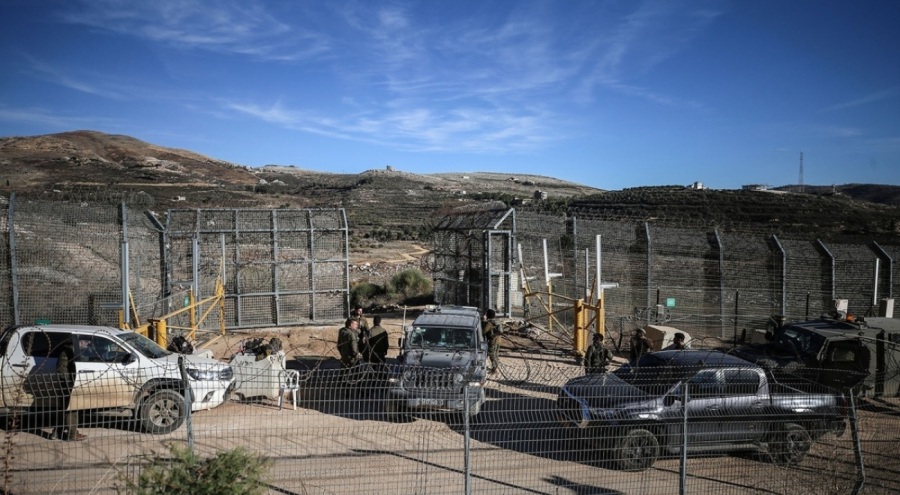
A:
[857, 447]
[682, 467]
[13, 259]
[188, 401]
[466, 451]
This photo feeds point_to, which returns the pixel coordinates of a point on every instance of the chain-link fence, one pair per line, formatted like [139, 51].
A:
[677, 422]
[545, 426]
[709, 282]
[66, 262]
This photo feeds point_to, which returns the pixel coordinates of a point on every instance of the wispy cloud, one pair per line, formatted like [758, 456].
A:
[481, 83]
[232, 26]
[55, 75]
[867, 99]
[640, 40]
[45, 117]
[419, 128]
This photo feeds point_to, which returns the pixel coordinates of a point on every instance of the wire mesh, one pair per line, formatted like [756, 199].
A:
[711, 282]
[64, 262]
[532, 435]
[342, 436]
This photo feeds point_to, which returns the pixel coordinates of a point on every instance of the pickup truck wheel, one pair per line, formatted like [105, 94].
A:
[636, 450]
[791, 445]
[162, 412]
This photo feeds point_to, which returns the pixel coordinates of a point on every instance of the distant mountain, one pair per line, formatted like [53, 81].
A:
[79, 161]
[392, 203]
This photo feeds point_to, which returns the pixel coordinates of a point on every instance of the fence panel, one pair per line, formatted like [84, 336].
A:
[341, 437]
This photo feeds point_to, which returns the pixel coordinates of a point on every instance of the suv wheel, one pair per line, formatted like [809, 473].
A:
[162, 412]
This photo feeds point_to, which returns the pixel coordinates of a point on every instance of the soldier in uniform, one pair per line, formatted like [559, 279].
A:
[598, 357]
[378, 342]
[640, 344]
[65, 380]
[357, 314]
[491, 330]
[678, 343]
[348, 344]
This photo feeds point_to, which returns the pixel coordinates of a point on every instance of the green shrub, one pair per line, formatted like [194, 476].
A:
[230, 472]
[364, 293]
[410, 283]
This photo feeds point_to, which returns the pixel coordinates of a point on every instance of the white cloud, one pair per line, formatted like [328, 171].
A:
[866, 99]
[47, 118]
[241, 27]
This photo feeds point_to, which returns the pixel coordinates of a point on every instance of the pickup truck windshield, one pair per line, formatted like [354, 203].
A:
[653, 375]
[144, 345]
[451, 338]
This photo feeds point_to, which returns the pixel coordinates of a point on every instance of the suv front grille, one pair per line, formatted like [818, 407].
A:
[430, 379]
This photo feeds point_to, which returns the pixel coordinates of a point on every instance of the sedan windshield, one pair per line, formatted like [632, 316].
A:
[144, 345]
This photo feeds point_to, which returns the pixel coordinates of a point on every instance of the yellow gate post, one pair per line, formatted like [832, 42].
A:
[161, 333]
[579, 337]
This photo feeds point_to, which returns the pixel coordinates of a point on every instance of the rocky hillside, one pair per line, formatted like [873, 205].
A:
[392, 204]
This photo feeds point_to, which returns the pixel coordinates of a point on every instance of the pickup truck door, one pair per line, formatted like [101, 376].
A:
[15, 367]
[102, 377]
[746, 399]
[29, 368]
[704, 408]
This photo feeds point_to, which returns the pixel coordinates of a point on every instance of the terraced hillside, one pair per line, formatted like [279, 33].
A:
[393, 204]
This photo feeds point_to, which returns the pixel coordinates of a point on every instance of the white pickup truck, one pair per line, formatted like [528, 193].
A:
[116, 372]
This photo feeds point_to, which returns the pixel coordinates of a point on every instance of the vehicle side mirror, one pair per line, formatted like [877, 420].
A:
[669, 400]
[484, 346]
[129, 358]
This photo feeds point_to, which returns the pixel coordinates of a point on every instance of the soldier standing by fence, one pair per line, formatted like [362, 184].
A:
[348, 344]
[492, 331]
[357, 315]
[598, 357]
[65, 379]
[640, 344]
[378, 343]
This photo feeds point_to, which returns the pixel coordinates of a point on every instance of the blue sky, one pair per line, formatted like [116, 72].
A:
[612, 94]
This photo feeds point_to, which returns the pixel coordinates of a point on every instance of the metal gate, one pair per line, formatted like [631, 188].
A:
[279, 267]
[473, 258]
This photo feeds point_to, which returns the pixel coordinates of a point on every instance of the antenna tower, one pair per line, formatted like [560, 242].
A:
[800, 182]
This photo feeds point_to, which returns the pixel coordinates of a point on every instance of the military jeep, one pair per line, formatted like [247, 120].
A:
[441, 365]
[824, 351]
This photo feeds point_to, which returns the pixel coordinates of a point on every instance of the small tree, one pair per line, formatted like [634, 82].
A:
[230, 472]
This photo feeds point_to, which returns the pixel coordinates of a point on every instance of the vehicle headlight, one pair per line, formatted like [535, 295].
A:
[458, 378]
[409, 375]
[226, 374]
[198, 374]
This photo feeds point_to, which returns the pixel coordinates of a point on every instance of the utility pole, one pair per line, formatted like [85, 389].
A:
[800, 182]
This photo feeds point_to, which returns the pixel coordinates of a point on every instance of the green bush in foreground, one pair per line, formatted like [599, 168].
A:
[230, 472]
